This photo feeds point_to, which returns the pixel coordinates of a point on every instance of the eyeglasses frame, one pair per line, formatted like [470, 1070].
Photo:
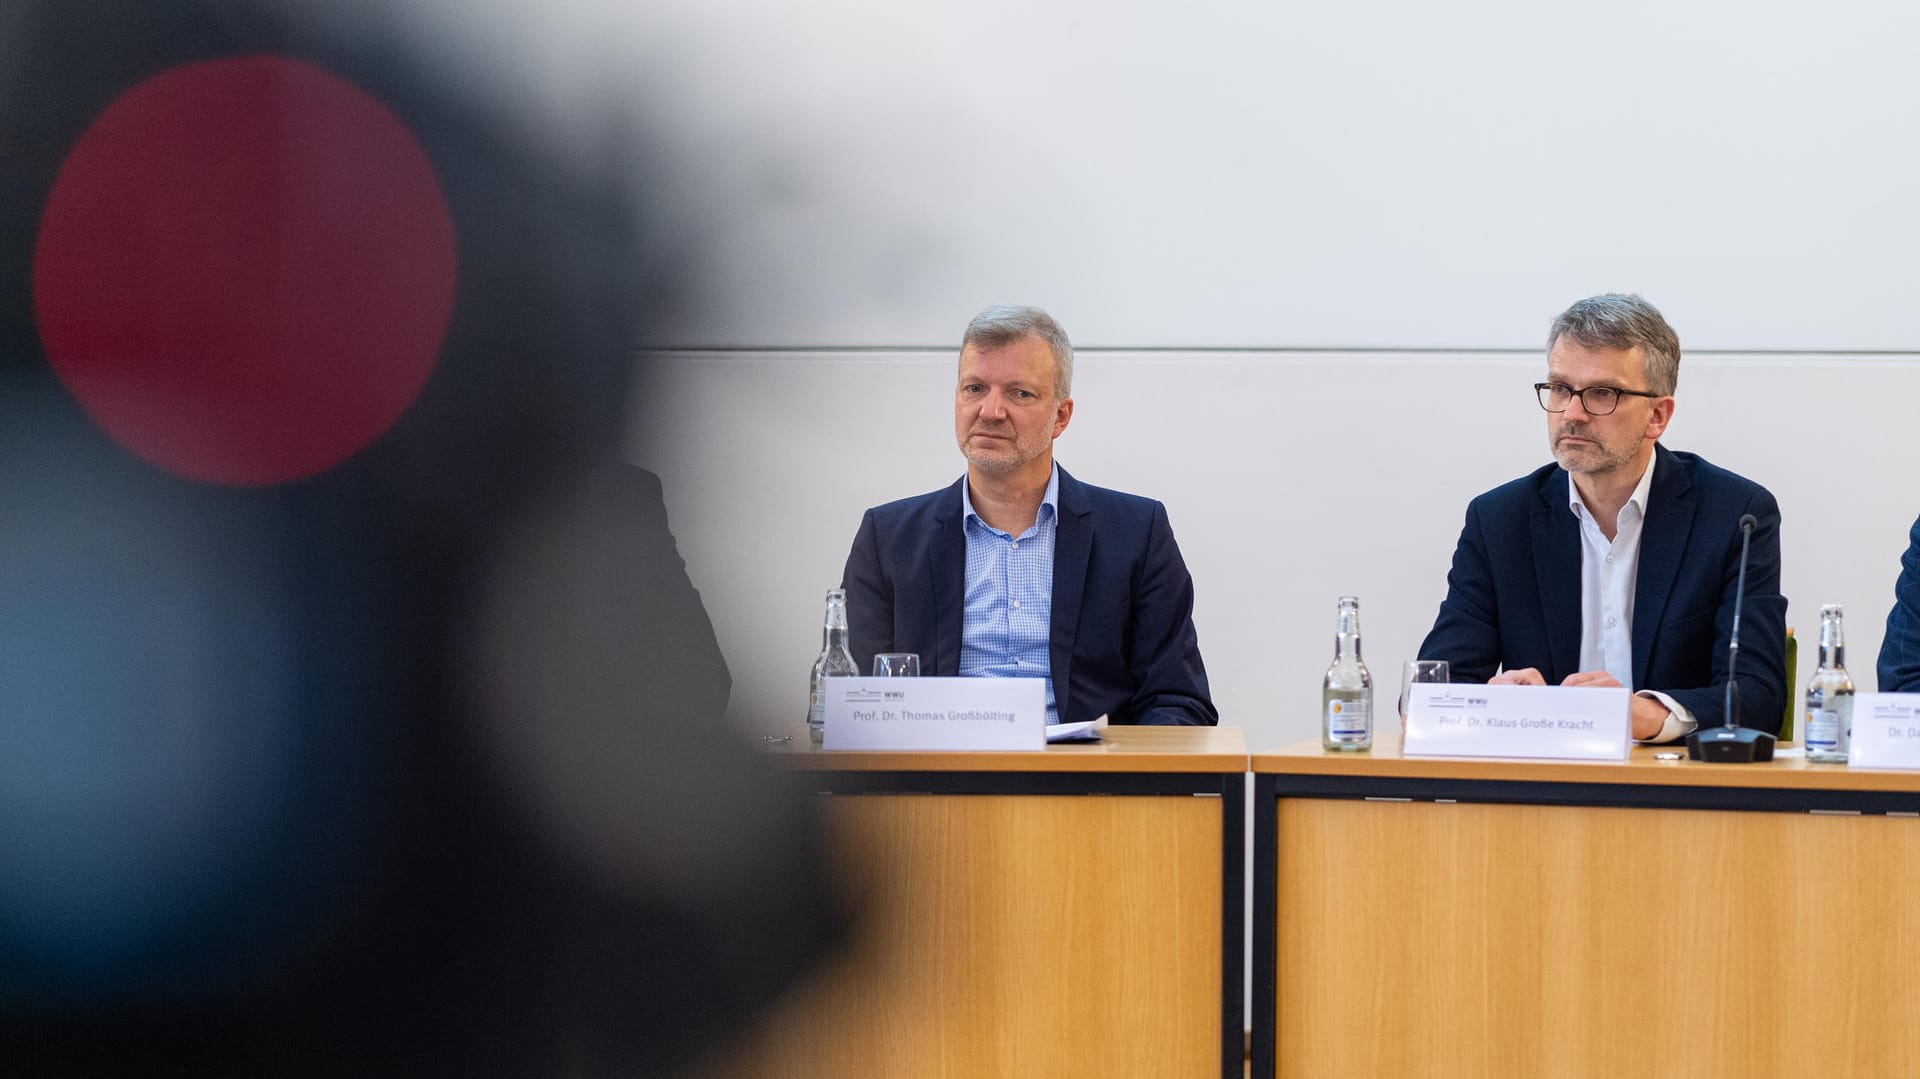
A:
[1540, 388]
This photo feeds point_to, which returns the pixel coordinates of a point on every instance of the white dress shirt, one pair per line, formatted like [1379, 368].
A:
[1608, 572]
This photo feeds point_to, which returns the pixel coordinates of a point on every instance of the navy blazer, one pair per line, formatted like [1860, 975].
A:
[1122, 641]
[1513, 595]
[1900, 648]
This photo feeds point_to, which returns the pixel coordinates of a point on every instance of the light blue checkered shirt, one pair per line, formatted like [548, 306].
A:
[1009, 611]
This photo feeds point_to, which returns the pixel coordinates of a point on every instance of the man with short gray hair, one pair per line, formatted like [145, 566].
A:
[1616, 566]
[1019, 570]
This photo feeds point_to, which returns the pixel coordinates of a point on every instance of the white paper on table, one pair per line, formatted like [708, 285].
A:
[935, 713]
[1559, 722]
[1886, 731]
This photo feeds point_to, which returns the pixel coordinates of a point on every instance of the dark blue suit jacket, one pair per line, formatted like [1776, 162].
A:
[1513, 596]
[1122, 641]
[1900, 649]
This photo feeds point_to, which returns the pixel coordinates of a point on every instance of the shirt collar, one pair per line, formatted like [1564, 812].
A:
[1638, 499]
[1051, 500]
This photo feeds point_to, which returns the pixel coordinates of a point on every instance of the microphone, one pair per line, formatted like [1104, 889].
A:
[1730, 743]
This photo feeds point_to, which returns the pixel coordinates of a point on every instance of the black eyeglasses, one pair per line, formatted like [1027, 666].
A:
[1597, 400]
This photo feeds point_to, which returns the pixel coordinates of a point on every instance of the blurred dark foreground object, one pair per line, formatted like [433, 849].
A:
[411, 766]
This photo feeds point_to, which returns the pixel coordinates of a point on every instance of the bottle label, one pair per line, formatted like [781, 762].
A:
[1347, 719]
[1823, 729]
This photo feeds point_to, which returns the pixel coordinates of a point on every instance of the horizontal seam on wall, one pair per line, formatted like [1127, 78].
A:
[1236, 350]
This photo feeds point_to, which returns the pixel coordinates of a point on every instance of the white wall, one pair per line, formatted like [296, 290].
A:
[1380, 205]
[1290, 478]
[1374, 173]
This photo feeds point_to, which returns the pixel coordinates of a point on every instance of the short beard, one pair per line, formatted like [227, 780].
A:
[995, 465]
[1609, 461]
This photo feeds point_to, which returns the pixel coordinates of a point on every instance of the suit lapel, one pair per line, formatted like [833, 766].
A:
[1556, 568]
[1663, 540]
[1072, 548]
[947, 548]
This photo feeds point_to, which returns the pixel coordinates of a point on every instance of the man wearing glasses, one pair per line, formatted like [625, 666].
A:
[1617, 565]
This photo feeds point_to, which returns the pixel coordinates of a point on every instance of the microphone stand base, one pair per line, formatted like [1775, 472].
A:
[1730, 745]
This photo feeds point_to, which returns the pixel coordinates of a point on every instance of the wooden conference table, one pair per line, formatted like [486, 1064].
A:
[1073, 911]
[1459, 917]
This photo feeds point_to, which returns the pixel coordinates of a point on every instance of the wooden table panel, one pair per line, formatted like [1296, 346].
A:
[1017, 936]
[1435, 939]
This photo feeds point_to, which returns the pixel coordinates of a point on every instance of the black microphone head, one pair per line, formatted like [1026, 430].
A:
[1748, 522]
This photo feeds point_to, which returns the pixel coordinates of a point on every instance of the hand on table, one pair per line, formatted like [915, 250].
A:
[1647, 714]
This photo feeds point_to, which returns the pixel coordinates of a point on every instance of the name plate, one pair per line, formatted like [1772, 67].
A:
[1586, 723]
[936, 713]
[1886, 730]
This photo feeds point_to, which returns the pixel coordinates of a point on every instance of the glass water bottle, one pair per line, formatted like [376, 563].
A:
[1829, 719]
[836, 661]
[1346, 695]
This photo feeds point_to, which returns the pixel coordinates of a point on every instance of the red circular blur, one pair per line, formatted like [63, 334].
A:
[245, 270]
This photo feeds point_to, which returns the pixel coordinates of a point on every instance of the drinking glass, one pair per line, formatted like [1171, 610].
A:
[896, 665]
[1419, 670]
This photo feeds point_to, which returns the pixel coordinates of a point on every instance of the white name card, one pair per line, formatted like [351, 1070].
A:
[1588, 723]
[936, 713]
[1886, 730]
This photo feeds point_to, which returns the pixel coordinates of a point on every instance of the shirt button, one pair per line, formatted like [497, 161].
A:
[1609, 560]
[1016, 546]
[1016, 606]
[1611, 622]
